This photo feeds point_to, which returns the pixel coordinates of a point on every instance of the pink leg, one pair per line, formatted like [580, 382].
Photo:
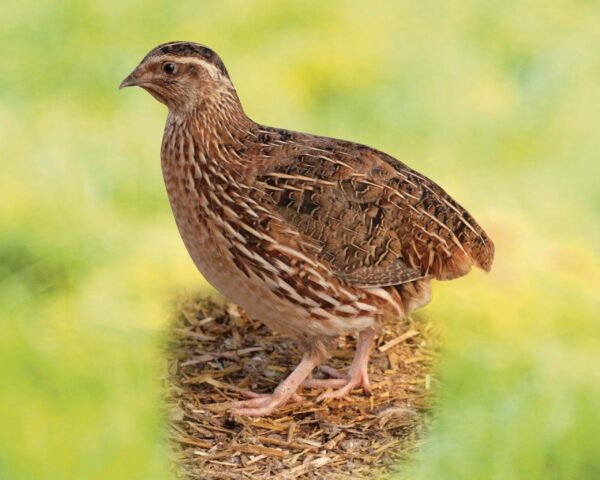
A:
[357, 375]
[336, 380]
[265, 404]
[250, 394]
[332, 372]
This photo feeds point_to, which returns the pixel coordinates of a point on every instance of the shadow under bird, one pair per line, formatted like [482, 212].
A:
[314, 236]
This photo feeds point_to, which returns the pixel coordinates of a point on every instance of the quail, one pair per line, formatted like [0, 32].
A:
[314, 236]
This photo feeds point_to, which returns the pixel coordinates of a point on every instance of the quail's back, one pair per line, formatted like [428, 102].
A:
[312, 235]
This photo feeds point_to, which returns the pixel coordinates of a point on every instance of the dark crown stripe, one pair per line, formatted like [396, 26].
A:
[189, 49]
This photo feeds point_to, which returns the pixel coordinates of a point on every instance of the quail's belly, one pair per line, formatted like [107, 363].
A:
[205, 245]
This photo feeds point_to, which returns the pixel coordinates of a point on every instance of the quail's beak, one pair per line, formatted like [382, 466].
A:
[130, 80]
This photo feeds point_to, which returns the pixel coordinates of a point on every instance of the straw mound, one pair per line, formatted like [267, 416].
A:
[217, 352]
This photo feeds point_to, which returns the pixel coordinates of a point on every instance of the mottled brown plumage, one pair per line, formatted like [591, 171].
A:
[315, 236]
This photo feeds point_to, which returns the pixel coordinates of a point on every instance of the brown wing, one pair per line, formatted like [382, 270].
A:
[373, 219]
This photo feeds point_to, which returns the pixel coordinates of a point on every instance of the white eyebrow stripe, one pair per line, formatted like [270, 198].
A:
[212, 69]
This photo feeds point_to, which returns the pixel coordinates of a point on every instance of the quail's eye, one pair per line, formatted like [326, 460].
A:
[169, 68]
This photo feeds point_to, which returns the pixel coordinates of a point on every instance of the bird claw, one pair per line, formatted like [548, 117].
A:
[332, 372]
[260, 404]
[250, 394]
[350, 384]
[357, 375]
[342, 384]
[337, 379]
[264, 404]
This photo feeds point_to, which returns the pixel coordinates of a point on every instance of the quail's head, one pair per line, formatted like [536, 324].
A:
[182, 75]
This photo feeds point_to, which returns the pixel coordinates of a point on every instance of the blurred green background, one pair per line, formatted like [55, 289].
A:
[498, 101]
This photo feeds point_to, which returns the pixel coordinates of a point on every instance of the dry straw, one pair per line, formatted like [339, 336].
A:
[217, 352]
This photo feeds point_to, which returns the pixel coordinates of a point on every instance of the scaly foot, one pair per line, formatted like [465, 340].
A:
[264, 404]
[261, 404]
[358, 375]
[343, 386]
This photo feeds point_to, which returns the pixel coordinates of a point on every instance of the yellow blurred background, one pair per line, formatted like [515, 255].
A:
[498, 101]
